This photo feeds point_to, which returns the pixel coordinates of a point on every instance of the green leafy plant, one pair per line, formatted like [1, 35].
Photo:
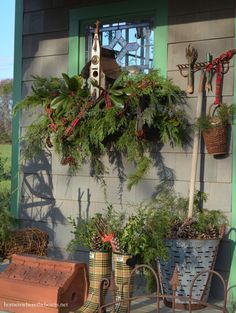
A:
[209, 223]
[167, 219]
[223, 116]
[144, 233]
[7, 221]
[4, 174]
[134, 237]
[5, 216]
[204, 224]
[225, 113]
[86, 234]
[6, 87]
[132, 113]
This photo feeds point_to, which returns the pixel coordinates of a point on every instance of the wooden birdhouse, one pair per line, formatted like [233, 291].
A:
[102, 67]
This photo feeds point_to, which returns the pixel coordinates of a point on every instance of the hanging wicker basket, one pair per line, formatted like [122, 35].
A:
[215, 138]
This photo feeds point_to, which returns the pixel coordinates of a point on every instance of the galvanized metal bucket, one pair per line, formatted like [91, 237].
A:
[191, 257]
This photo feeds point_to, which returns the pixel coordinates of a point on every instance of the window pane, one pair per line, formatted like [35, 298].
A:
[132, 43]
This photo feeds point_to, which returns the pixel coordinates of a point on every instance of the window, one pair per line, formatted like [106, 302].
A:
[147, 20]
[133, 43]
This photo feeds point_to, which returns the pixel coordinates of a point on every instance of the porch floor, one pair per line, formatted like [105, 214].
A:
[147, 305]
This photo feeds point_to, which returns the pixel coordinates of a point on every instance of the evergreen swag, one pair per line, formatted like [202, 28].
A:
[132, 113]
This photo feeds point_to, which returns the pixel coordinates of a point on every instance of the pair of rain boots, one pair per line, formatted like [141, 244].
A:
[100, 267]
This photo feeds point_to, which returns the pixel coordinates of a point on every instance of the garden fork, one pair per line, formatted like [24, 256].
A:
[191, 56]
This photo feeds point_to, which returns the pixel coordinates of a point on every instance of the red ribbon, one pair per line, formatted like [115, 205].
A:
[69, 130]
[218, 83]
[217, 62]
[107, 100]
[52, 125]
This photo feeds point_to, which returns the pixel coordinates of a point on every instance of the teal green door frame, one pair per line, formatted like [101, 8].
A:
[16, 98]
[122, 10]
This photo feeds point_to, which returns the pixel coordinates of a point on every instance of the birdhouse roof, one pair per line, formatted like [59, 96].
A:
[109, 65]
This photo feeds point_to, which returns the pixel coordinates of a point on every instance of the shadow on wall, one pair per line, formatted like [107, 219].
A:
[87, 195]
[40, 209]
[165, 174]
[38, 206]
[223, 265]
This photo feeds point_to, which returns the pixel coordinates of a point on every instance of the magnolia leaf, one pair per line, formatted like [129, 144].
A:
[117, 101]
[80, 80]
[57, 101]
[73, 84]
[66, 78]
[117, 92]
[61, 108]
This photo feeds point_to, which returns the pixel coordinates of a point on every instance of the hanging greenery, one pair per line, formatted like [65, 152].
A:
[135, 111]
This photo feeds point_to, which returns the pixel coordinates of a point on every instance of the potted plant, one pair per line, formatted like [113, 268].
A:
[214, 128]
[87, 234]
[160, 230]
[137, 240]
[191, 244]
[130, 244]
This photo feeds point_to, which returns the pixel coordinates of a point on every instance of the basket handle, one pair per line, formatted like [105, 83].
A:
[214, 110]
